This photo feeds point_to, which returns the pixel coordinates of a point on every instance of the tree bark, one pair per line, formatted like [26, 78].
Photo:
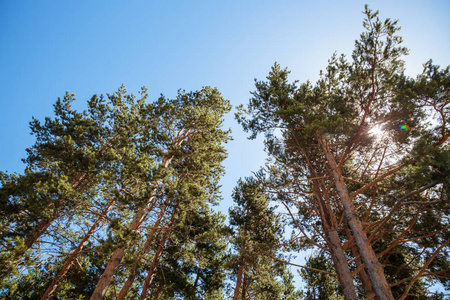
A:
[373, 266]
[337, 251]
[116, 258]
[151, 273]
[365, 280]
[118, 254]
[341, 266]
[130, 279]
[238, 281]
[40, 228]
[244, 287]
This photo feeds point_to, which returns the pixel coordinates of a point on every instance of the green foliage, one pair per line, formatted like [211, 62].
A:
[93, 170]
[257, 237]
[320, 286]
[193, 266]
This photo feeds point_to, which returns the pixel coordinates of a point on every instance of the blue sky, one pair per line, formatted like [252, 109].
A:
[92, 47]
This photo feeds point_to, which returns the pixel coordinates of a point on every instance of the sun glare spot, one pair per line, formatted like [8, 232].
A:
[377, 131]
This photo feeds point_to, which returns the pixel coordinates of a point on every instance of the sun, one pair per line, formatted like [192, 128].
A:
[377, 131]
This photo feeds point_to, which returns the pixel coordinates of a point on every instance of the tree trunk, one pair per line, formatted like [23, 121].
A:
[365, 280]
[79, 184]
[117, 256]
[238, 282]
[41, 227]
[130, 279]
[337, 251]
[373, 266]
[151, 273]
[74, 254]
[341, 266]
[197, 277]
[239, 276]
[244, 287]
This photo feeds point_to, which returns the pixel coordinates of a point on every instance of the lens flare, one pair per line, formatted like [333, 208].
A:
[404, 127]
[376, 130]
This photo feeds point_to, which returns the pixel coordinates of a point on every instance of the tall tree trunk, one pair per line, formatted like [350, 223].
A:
[238, 282]
[75, 253]
[330, 228]
[244, 287]
[118, 254]
[80, 183]
[151, 273]
[365, 280]
[239, 275]
[341, 266]
[373, 266]
[130, 279]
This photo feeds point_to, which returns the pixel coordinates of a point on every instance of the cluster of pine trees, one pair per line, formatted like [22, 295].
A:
[116, 201]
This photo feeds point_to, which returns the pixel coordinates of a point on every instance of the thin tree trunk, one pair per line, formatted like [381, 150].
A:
[151, 273]
[244, 287]
[239, 275]
[196, 279]
[238, 281]
[130, 279]
[79, 184]
[75, 253]
[373, 266]
[43, 224]
[138, 218]
[40, 228]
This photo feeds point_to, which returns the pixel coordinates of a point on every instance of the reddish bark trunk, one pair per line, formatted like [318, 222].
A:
[130, 279]
[116, 258]
[244, 287]
[151, 273]
[365, 280]
[43, 225]
[337, 251]
[238, 282]
[341, 266]
[373, 266]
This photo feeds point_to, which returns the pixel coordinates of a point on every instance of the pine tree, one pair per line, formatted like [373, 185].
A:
[96, 183]
[63, 166]
[320, 286]
[359, 154]
[190, 147]
[193, 263]
[257, 239]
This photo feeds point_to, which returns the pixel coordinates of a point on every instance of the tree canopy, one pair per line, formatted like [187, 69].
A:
[116, 201]
[363, 156]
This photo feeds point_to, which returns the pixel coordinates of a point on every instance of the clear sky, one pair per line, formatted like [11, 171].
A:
[92, 47]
